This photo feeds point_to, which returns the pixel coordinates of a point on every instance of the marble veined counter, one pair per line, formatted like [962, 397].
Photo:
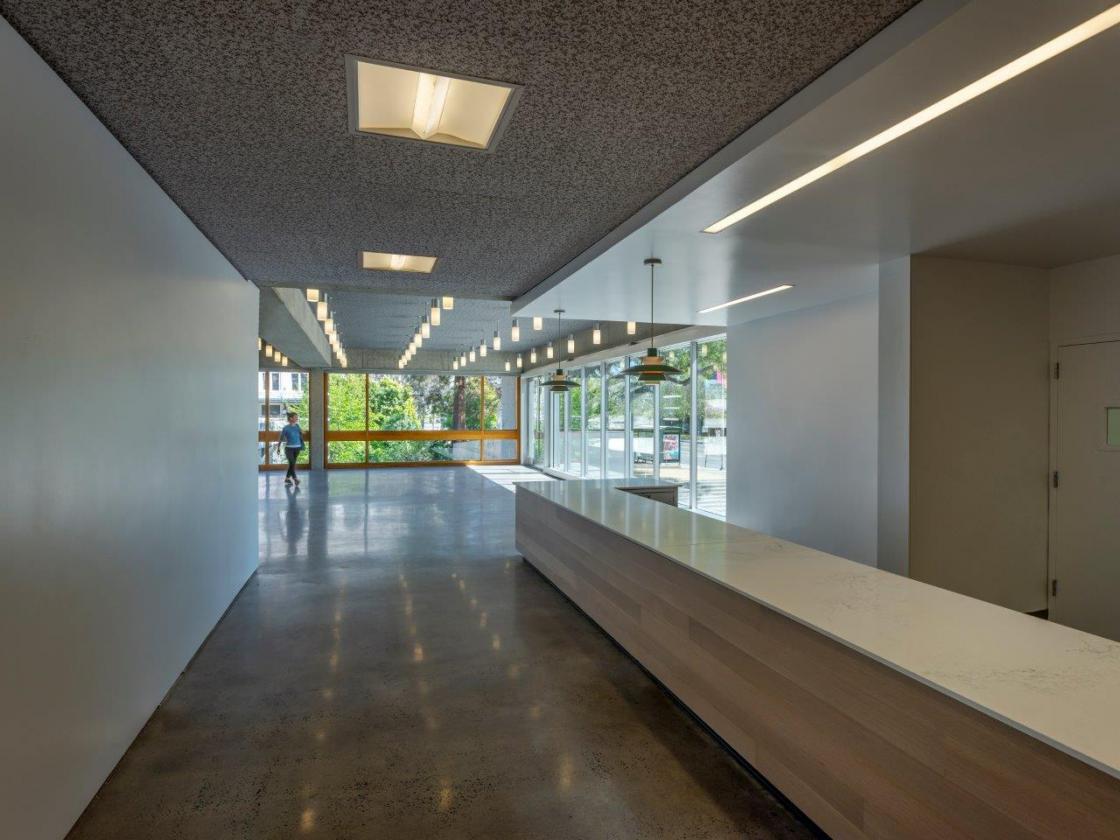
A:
[1057, 684]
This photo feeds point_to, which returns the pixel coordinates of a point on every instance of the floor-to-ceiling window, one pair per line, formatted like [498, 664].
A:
[711, 426]
[346, 418]
[616, 427]
[575, 426]
[593, 424]
[278, 392]
[396, 419]
[538, 423]
[643, 454]
[675, 422]
[616, 420]
[501, 414]
[558, 427]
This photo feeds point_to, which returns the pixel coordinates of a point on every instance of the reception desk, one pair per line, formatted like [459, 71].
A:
[880, 706]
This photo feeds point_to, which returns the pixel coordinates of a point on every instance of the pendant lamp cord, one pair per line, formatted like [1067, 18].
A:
[651, 304]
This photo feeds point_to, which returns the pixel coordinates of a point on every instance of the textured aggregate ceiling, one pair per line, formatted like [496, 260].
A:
[239, 111]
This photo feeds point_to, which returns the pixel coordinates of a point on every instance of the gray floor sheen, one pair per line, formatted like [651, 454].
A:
[394, 669]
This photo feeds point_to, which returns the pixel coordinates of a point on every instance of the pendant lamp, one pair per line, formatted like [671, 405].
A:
[651, 370]
[557, 381]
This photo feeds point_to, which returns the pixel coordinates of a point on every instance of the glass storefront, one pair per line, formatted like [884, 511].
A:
[612, 426]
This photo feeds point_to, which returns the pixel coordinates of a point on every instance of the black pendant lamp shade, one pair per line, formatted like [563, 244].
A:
[557, 381]
[652, 369]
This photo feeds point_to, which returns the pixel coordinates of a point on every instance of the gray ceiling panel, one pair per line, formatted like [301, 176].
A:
[239, 111]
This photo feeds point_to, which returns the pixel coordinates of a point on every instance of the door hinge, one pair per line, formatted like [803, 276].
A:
[1054, 587]
[1057, 370]
[1056, 479]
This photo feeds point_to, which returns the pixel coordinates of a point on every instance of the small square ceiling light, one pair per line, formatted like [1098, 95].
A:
[398, 262]
[415, 104]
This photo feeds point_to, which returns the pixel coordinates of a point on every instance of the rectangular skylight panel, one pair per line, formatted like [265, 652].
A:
[423, 105]
[397, 262]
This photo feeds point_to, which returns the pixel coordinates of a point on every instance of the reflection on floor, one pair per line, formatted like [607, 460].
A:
[512, 475]
[395, 670]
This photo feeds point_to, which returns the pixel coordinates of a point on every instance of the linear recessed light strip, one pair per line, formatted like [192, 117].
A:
[1067, 40]
[755, 296]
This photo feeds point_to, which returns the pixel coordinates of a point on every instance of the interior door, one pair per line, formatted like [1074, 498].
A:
[1085, 537]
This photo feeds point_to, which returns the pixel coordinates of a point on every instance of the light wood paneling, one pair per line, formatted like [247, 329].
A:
[862, 749]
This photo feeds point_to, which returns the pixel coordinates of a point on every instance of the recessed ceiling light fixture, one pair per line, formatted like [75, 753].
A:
[412, 103]
[379, 261]
[755, 296]
[1067, 40]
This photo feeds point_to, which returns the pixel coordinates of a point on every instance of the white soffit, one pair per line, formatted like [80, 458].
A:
[1027, 174]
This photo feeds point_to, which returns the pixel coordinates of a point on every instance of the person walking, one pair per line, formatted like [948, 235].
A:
[291, 438]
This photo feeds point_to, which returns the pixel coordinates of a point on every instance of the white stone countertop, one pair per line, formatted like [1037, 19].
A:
[1054, 683]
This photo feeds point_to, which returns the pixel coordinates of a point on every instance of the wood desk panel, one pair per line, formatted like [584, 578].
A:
[862, 749]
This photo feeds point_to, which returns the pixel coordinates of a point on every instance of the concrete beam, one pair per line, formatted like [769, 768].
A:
[287, 322]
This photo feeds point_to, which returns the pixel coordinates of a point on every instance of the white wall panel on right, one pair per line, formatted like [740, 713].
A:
[803, 427]
[1085, 301]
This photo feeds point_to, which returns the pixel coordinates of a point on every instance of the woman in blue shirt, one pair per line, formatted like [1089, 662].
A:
[292, 440]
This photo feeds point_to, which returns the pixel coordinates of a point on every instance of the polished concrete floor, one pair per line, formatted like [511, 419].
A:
[395, 670]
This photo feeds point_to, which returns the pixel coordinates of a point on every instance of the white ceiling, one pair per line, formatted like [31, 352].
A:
[1028, 173]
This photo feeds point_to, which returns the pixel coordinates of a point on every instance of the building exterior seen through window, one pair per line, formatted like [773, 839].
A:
[278, 394]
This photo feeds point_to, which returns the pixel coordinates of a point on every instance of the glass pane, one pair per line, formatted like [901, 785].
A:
[346, 451]
[291, 396]
[1112, 426]
[346, 403]
[262, 404]
[262, 447]
[711, 426]
[616, 421]
[392, 406]
[575, 428]
[676, 410]
[414, 451]
[557, 425]
[537, 423]
[501, 402]
[641, 426]
[499, 450]
[593, 420]
[401, 402]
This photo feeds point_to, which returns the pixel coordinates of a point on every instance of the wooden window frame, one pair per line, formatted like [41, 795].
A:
[481, 435]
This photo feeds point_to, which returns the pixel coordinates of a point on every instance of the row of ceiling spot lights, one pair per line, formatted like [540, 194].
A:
[323, 314]
[470, 356]
[432, 318]
[271, 353]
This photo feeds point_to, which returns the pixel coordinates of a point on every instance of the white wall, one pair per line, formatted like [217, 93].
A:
[128, 499]
[1085, 301]
[802, 427]
[894, 417]
[979, 429]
